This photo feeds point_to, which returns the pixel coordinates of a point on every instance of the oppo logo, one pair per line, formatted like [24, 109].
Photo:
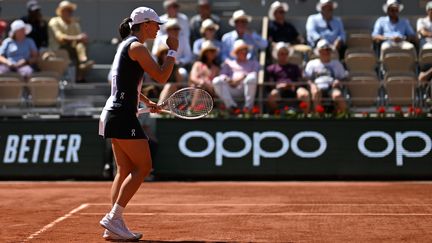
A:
[395, 144]
[250, 144]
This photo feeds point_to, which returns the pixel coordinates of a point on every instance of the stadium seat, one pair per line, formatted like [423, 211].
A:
[359, 40]
[425, 58]
[360, 61]
[296, 58]
[44, 90]
[398, 61]
[54, 64]
[11, 90]
[363, 89]
[400, 89]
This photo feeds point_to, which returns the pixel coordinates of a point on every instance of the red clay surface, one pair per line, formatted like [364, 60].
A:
[222, 211]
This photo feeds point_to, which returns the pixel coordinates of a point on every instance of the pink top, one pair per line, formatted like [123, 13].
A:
[201, 71]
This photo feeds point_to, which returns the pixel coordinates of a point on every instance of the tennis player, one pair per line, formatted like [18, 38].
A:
[119, 118]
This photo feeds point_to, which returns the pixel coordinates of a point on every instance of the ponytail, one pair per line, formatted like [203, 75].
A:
[124, 28]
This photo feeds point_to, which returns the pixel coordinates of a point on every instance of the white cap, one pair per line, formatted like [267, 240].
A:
[279, 46]
[17, 25]
[33, 5]
[144, 14]
[395, 3]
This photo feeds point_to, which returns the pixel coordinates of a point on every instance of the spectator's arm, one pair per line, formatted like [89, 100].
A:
[425, 76]
[259, 41]
[62, 37]
[5, 61]
[342, 34]
[377, 33]
[194, 74]
[312, 35]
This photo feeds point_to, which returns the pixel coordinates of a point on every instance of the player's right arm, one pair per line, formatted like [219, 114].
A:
[141, 54]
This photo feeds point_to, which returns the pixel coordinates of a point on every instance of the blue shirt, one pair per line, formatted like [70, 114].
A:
[253, 40]
[15, 51]
[383, 26]
[318, 28]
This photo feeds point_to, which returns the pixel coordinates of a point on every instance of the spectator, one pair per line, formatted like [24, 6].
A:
[65, 33]
[172, 12]
[184, 53]
[206, 68]
[393, 32]
[285, 75]
[240, 20]
[424, 28]
[175, 80]
[324, 25]
[17, 52]
[208, 32]
[238, 78]
[280, 30]
[39, 31]
[204, 13]
[324, 76]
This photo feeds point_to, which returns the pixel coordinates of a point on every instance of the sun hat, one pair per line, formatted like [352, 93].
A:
[168, 3]
[279, 46]
[33, 5]
[324, 2]
[171, 23]
[17, 25]
[429, 5]
[208, 23]
[65, 4]
[392, 3]
[238, 45]
[206, 46]
[275, 6]
[144, 14]
[204, 2]
[239, 14]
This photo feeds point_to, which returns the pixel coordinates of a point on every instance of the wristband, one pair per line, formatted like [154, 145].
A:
[172, 53]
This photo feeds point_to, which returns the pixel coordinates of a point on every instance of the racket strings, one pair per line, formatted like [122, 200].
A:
[191, 103]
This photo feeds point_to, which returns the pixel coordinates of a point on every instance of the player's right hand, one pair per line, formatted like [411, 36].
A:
[172, 43]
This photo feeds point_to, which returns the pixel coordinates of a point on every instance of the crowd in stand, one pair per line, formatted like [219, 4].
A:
[227, 64]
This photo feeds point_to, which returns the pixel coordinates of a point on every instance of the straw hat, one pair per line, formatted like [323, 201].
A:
[279, 46]
[168, 3]
[239, 14]
[207, 46]
[208, 23]
[395, 3]
[17, 25]
[324, 2]
[275, 6]
[65, 4]
[238, 45]
[172, 23]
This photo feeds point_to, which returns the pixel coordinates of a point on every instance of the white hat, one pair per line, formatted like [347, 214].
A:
[324, 2]
[429, 5]
[279, 46]
[208, 23]
[203, 2]
[322, 44]
[238, 45]
[392, 2]
[65, 4]
[276, 5]
[239, 14]
[168, 3]
[207, 45]
[144, 14]
[17, 25]
[33, 5]
[172, 22]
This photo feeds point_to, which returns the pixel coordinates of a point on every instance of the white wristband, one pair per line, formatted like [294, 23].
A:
[172, 53]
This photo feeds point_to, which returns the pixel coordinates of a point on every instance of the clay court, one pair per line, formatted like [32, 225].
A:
[222, 211]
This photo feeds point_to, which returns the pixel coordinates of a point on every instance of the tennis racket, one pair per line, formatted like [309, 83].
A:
[187, 103]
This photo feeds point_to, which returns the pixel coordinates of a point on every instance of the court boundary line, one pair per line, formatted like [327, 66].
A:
[56, 221]
[266, 214]
[270, 204]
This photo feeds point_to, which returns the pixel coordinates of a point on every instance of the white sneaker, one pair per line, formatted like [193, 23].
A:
[108, 235]
[117, 226]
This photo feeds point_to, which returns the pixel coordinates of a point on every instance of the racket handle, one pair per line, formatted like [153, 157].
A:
[143, 110]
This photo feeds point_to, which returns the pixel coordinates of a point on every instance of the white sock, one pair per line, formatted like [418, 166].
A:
[116, 211]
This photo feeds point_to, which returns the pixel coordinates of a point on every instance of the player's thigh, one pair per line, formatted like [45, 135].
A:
[122, 159]
[137, 150]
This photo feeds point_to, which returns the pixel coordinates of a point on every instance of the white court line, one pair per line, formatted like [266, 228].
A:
[269, 204]
[269, 214]
[58, 220]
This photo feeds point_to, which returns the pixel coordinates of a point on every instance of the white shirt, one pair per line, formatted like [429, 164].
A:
[183, 22]
[184, 51]
[323, 74]
[425, 23]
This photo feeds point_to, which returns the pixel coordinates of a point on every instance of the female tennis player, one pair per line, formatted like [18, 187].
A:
[119, 118]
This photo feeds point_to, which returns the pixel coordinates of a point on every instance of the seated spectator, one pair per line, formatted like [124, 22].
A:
[238, 78]
[324, 25]
[240, 21]
[280, 30]
[324, 76]
[17, 52]
[208, 32]
[39, 31]
[424, 28]
[184, 53]
[65, 33]
[393, 32]
[206, 68]
[285, 75]
[175, 80]
[204, 13]
[172, 8]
